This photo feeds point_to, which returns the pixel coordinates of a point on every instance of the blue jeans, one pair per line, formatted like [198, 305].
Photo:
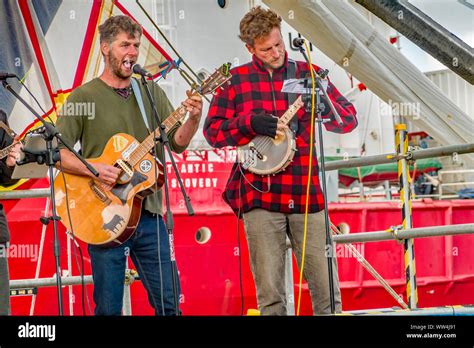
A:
[108, 269]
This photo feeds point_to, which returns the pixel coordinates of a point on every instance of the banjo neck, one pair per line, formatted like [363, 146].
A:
[288, 115]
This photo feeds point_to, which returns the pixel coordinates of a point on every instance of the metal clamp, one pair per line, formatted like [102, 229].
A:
[394, 230]
[130, 276]
[409, 155]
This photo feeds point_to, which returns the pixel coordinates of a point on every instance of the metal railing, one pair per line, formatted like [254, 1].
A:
[394, 157]
[402, 234]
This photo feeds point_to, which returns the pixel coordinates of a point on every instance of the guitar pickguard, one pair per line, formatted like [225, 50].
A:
[121, 190]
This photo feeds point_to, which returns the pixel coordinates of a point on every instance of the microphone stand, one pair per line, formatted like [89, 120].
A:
[164, 140]
[320, 121]
[50, 157]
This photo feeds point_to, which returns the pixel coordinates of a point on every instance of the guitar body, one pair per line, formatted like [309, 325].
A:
[108, 218]
[264, 155]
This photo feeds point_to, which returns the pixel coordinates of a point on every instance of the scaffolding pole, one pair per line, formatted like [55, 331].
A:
[333, 165]
[19, 194]
[401, 140]
[361, 259]
[421, 232]
[45, 282]
[393, 157]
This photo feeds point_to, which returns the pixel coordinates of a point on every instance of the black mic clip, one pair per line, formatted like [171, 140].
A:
[298, 42]
[323, 74]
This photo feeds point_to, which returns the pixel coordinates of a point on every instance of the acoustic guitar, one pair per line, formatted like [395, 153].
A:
[109, 218]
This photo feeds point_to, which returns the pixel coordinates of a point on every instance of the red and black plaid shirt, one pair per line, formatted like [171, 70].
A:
[252, 90]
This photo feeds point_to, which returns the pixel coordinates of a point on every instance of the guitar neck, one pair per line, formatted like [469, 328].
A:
[4, 152]
[213, 82]
[7, 129]
[288, 115]
[149, 142]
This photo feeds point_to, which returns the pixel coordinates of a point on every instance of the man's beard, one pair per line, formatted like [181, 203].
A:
[116, 66]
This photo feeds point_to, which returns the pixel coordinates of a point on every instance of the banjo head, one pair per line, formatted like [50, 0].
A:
[265, 155]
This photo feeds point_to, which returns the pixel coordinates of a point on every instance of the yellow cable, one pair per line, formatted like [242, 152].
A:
[311, 145]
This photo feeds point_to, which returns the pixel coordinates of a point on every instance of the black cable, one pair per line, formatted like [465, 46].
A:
[240, 250]
[157, 217]
[154, 126]
[81, 269]
[36, 100]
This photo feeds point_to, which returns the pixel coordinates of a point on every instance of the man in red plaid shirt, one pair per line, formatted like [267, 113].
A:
[273, 207]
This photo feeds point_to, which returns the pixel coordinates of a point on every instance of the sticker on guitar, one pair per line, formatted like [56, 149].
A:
[119, 143]
[145, 166]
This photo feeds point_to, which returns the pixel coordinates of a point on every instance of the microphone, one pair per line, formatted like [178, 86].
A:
[298, 42]
[323, 74]
[137, 69]
[5, 75]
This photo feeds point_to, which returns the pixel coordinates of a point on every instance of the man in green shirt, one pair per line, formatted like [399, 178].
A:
[108, 106]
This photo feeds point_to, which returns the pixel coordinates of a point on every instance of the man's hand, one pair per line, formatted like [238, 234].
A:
[264, 124]
[193, 105]
[108, 175]
[14, 154]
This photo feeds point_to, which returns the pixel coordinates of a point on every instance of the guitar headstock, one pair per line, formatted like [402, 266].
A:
[8, 130]
[215, 80]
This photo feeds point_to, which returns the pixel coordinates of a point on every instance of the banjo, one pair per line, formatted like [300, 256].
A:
[265, 155]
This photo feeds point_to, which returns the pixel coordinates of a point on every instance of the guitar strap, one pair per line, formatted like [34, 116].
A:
[291, 74]
[138, 96]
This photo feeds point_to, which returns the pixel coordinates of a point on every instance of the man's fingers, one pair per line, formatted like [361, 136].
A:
[107, 174]
[110, 177]
[281, 126]
[192, 104]
[106, 187]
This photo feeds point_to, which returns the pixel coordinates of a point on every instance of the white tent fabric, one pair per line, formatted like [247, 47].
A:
[342, 33]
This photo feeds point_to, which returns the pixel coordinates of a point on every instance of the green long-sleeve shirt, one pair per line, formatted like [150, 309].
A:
[94, 112]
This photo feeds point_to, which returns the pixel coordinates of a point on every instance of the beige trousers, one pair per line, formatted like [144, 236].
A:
[266, 233]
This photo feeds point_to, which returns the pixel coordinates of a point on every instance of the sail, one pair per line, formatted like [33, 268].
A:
[53, 47]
